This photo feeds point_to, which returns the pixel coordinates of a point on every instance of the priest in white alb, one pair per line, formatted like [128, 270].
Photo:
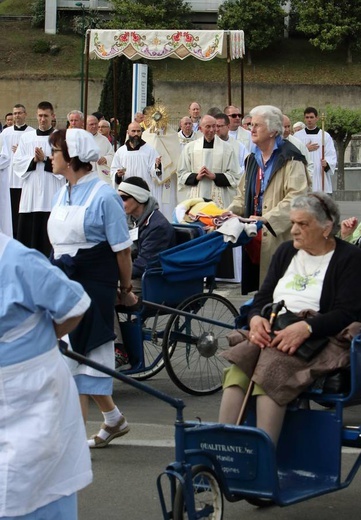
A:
[323, 155]
[208, 167]
[136, 158]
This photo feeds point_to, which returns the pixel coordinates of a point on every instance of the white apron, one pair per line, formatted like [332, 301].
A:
[44, 454]
[66, 225]
[66, 235]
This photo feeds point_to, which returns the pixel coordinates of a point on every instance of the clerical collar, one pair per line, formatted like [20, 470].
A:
[313, 131]
[45, 132]
[187, 136]
[129, 147]
[207, 144]
[20, 128]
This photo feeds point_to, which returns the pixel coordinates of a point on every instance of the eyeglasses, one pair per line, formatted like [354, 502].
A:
[234, 115]
[125, 197]
[54, 150]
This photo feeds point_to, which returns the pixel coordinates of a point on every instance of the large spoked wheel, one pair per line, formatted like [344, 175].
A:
[208, 498]
[191, 347]
[153, 332]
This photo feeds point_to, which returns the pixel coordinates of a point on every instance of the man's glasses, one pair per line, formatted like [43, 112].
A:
[234, 115]
[125, 197]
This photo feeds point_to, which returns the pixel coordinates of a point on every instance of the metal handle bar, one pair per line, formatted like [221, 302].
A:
[178, 404]
[172, 310]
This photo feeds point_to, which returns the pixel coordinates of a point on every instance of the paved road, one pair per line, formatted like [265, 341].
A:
[125, 473]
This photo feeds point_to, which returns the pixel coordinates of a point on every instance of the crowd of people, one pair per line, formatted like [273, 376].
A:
[95, 209]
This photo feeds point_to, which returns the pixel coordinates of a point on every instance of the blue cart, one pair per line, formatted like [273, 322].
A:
[214, 460]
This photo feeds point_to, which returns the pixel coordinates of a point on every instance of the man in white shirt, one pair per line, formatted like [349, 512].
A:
[208, 167]
[75, 119]
[222, 130]
[186, 133]
[246, 122]
[298, 144]
[33, 165]
[235, 127]
[10, 139]
[311, 136]
[136, 158]
[102, 166]
[194, 110]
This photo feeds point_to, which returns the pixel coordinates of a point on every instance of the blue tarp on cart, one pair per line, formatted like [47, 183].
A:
[198, 257]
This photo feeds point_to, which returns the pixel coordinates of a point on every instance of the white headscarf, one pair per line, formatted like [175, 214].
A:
[139, 194]
[81, 144]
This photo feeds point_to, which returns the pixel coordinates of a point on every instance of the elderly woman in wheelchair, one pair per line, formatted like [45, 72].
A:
[318, 276]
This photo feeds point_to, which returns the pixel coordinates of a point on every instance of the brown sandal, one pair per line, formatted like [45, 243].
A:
[113, 432]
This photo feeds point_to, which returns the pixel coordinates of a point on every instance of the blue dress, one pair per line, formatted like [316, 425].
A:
[44, 457]
[87, 227]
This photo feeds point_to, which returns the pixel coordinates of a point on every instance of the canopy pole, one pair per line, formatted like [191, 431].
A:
[86, 77]
[229, 70]
[115, 132]
[242, 86]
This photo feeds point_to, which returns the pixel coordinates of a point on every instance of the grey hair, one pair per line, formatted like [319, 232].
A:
[321, 206]
[272, 116]
[75, 112]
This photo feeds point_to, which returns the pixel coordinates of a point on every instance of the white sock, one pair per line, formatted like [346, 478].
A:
[112, 418]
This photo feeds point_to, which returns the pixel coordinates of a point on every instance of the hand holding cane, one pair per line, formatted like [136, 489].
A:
[275, 309]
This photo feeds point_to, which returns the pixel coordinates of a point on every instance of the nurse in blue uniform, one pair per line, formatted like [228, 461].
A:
[90, 238]
[44, 456]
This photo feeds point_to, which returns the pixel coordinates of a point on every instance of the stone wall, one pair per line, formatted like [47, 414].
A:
[65, 95]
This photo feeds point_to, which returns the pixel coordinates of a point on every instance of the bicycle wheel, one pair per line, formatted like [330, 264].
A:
[191, 347]
[208, 496]
[153, 331]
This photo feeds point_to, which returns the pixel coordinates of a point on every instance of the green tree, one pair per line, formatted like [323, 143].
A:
[341, 124]
[124, 73]
[262, 22]
[38, 13]
[151, 14]
[332, 24]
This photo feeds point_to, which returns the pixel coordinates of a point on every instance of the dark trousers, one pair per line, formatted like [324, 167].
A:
[33, 232]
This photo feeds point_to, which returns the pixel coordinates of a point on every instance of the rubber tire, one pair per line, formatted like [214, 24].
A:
[260, 502]
[152, 350]
[191, 371]
[217, 497]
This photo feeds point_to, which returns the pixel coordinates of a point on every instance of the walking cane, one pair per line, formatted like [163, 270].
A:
[275, 309]
[323, 150]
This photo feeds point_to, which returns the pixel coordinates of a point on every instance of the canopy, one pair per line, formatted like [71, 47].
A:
[156, 44]
[159, 44]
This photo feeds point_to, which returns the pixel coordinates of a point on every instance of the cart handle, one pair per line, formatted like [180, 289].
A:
[178, 404]
[172, 310]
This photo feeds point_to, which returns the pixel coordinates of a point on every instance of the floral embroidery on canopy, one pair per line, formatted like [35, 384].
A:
[158, 44]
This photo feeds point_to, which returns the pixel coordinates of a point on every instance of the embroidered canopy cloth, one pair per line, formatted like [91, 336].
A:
[160, 44]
